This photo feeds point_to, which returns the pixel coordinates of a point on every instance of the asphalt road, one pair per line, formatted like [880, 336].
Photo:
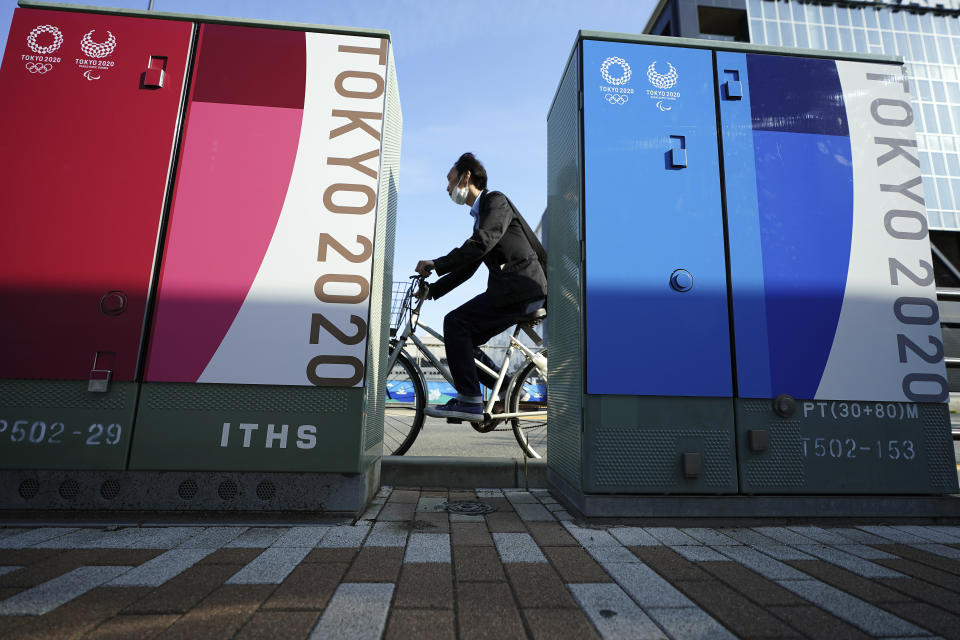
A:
[441, 439]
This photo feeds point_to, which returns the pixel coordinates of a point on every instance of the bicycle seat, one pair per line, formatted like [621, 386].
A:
[534, 317]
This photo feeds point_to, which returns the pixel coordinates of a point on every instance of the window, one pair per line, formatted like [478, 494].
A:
[730, 24]
[948, 244]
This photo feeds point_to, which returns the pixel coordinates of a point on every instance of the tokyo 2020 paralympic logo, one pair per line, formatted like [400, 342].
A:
[624, 78]
[50, 48]
[662, 80]
[98, 49]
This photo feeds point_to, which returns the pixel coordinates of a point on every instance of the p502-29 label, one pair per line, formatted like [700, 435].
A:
[33, 432]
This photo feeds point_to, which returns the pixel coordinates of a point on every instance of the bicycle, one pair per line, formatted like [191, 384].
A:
[526, 392]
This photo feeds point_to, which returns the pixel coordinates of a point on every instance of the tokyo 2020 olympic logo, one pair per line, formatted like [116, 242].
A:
[98, 49]
[615, 92]
[625, 71]
[41, 68]
[44, 49]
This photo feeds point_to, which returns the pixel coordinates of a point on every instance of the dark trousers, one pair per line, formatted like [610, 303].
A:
[469, 326]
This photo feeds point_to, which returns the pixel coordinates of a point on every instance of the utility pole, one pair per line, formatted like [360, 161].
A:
[150, 5]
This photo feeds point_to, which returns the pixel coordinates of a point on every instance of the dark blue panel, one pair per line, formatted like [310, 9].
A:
[805, 198]
[743, 224]
[802, 95]
[645, 218]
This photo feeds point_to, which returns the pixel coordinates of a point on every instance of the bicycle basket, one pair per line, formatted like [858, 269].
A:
[399, 303]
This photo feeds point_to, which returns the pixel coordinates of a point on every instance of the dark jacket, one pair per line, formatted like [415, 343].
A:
[499, 242]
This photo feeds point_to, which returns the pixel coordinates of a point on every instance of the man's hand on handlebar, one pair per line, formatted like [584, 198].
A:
[424, 268]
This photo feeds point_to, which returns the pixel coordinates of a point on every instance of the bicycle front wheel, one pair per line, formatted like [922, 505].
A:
[403, 410]
[530, 394]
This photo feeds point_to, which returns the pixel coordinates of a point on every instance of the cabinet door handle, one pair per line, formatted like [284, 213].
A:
[732, 87]
[155, 73]
[678, 152]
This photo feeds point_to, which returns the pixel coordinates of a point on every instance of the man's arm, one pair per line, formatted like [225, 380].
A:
[452, 280]
[492, 224]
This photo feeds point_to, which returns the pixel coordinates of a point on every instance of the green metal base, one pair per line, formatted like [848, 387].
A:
[58, 424]
[740, 511]
[157, 494]
[635, 444]
[829, 447]
[218, 427]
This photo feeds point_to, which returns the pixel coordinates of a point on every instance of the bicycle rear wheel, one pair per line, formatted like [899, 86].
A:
[403, 410]
[530, 394]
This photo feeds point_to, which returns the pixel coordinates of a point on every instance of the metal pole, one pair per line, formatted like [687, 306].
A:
[150, 6]
[946, 262]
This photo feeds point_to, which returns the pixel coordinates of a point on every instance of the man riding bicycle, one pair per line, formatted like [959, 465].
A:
[516, 285]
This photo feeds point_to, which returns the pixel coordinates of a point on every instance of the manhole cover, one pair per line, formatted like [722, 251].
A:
[468, 508]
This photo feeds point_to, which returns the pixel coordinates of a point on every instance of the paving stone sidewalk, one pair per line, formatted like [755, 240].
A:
[409, 569]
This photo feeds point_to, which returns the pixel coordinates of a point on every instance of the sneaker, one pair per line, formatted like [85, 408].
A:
[497, 408]
[472, 411]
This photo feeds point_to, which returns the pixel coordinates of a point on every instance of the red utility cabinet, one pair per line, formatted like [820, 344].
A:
[88, 125]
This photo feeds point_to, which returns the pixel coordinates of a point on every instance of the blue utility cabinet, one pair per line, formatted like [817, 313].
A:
[741, 292]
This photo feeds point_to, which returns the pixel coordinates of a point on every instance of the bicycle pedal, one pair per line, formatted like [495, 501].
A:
[454, 421]
[486, 426]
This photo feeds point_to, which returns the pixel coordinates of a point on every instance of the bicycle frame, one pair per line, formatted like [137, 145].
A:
[409, 333]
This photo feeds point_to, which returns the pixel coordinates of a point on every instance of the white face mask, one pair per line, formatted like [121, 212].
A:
[459, 194]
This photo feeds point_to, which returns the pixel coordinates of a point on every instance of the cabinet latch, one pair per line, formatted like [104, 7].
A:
[155, 73]
[99, 381]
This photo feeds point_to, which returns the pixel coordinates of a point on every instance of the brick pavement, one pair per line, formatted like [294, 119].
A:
[410, 569]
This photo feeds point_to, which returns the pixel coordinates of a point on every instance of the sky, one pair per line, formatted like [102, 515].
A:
[473, 76]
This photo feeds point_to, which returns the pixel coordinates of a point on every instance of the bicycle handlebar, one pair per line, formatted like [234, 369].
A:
[419, 283]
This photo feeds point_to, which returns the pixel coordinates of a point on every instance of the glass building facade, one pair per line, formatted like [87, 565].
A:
[929, 44]
[927, 37]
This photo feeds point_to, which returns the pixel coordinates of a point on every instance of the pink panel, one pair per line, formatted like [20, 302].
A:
[234, 172]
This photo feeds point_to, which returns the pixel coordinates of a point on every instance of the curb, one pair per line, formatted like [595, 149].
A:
[463, 473]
